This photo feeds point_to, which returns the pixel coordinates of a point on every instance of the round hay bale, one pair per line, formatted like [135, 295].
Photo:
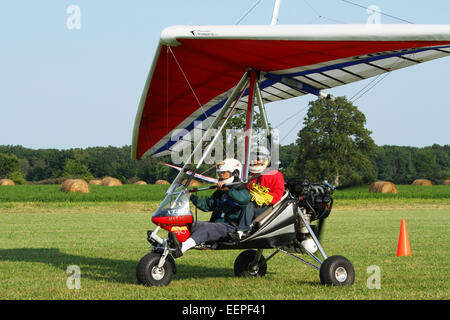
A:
[383, 187]
[75, 185]
[162, 182]
[6, 182]
[422, 182]
[95, 182]
[140, 182]
[446, 183]
[193, 183]
[111, 182]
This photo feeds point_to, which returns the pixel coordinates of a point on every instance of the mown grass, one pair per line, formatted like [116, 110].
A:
[43, 231]
[51, 193]
[404, 192]
[106, 242]
[130, 193]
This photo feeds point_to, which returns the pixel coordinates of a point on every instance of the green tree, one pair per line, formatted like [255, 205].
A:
[426, 166]
[8, 164]
[334, 144]
[10, 168]
[75, 169]
[288, 155]
[395, 164]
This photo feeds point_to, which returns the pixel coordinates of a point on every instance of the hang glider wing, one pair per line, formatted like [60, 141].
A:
[196, 68]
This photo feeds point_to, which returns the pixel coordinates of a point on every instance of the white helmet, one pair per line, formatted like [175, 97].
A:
[259, 160]
[231, 165]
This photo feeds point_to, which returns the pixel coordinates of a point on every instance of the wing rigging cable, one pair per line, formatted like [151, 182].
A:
[185, 78]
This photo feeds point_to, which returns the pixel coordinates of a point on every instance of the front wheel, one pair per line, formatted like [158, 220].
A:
[337, 271]
[149, 274]
[244, 267]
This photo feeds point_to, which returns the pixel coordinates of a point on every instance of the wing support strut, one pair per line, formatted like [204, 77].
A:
[249, 121]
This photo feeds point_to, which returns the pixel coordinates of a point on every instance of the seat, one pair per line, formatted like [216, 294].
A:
[259, 220]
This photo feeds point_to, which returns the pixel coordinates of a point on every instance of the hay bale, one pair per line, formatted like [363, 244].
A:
[383, 187]
[95, 182]
[140, 182]
[446, 183]
[162, 182]
[6, 182]
[75, 185]
[193, 183]
[111, 182]
[422, 182]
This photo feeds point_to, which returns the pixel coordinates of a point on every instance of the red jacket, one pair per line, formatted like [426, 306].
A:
[273, 180]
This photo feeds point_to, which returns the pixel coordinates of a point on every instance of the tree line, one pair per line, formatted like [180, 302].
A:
[398, 164]
[53, 165]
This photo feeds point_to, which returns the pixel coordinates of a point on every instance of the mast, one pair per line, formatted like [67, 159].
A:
[276, 10]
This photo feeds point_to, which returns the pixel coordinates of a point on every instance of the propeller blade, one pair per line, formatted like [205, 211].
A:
[320, 228]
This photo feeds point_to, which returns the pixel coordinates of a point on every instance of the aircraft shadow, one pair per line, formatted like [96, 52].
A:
[111, 270]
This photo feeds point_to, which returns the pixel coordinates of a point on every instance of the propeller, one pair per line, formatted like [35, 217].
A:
[320, 229]
[321, 223]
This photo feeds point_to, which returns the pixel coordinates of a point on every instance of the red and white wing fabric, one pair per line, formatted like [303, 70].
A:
[196, 68]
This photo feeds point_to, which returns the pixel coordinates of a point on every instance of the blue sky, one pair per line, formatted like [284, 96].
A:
[62, 88]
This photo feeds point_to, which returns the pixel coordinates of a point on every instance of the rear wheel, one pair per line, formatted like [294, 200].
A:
[337, 271]
[149, 274]
[244, 265]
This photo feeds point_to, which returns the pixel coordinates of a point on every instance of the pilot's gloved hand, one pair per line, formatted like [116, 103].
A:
[220, 186]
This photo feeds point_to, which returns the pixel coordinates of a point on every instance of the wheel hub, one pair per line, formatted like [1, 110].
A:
[253, 270]
[340, 274]
[157, 273]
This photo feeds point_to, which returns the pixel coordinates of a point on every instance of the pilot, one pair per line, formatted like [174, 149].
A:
[226, 204]
[266, 189]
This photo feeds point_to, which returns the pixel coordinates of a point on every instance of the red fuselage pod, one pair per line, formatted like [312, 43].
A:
[180, 225]
[172, 221]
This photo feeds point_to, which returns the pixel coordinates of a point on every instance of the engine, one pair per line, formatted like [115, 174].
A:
[315, 198]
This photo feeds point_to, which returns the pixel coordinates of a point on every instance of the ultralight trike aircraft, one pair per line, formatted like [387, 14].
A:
[203, 74]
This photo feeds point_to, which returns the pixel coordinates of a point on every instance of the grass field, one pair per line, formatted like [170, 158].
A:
[39, 240]
[127, 193]
[51, 193]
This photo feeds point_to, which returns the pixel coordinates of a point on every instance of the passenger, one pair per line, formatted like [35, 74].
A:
[266, 190]
[226, 204]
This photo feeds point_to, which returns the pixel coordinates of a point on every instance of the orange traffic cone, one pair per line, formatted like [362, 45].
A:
[403, 248]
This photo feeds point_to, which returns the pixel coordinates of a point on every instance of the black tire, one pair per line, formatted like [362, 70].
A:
[337, 271]
[243, 265]
[148, 273]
